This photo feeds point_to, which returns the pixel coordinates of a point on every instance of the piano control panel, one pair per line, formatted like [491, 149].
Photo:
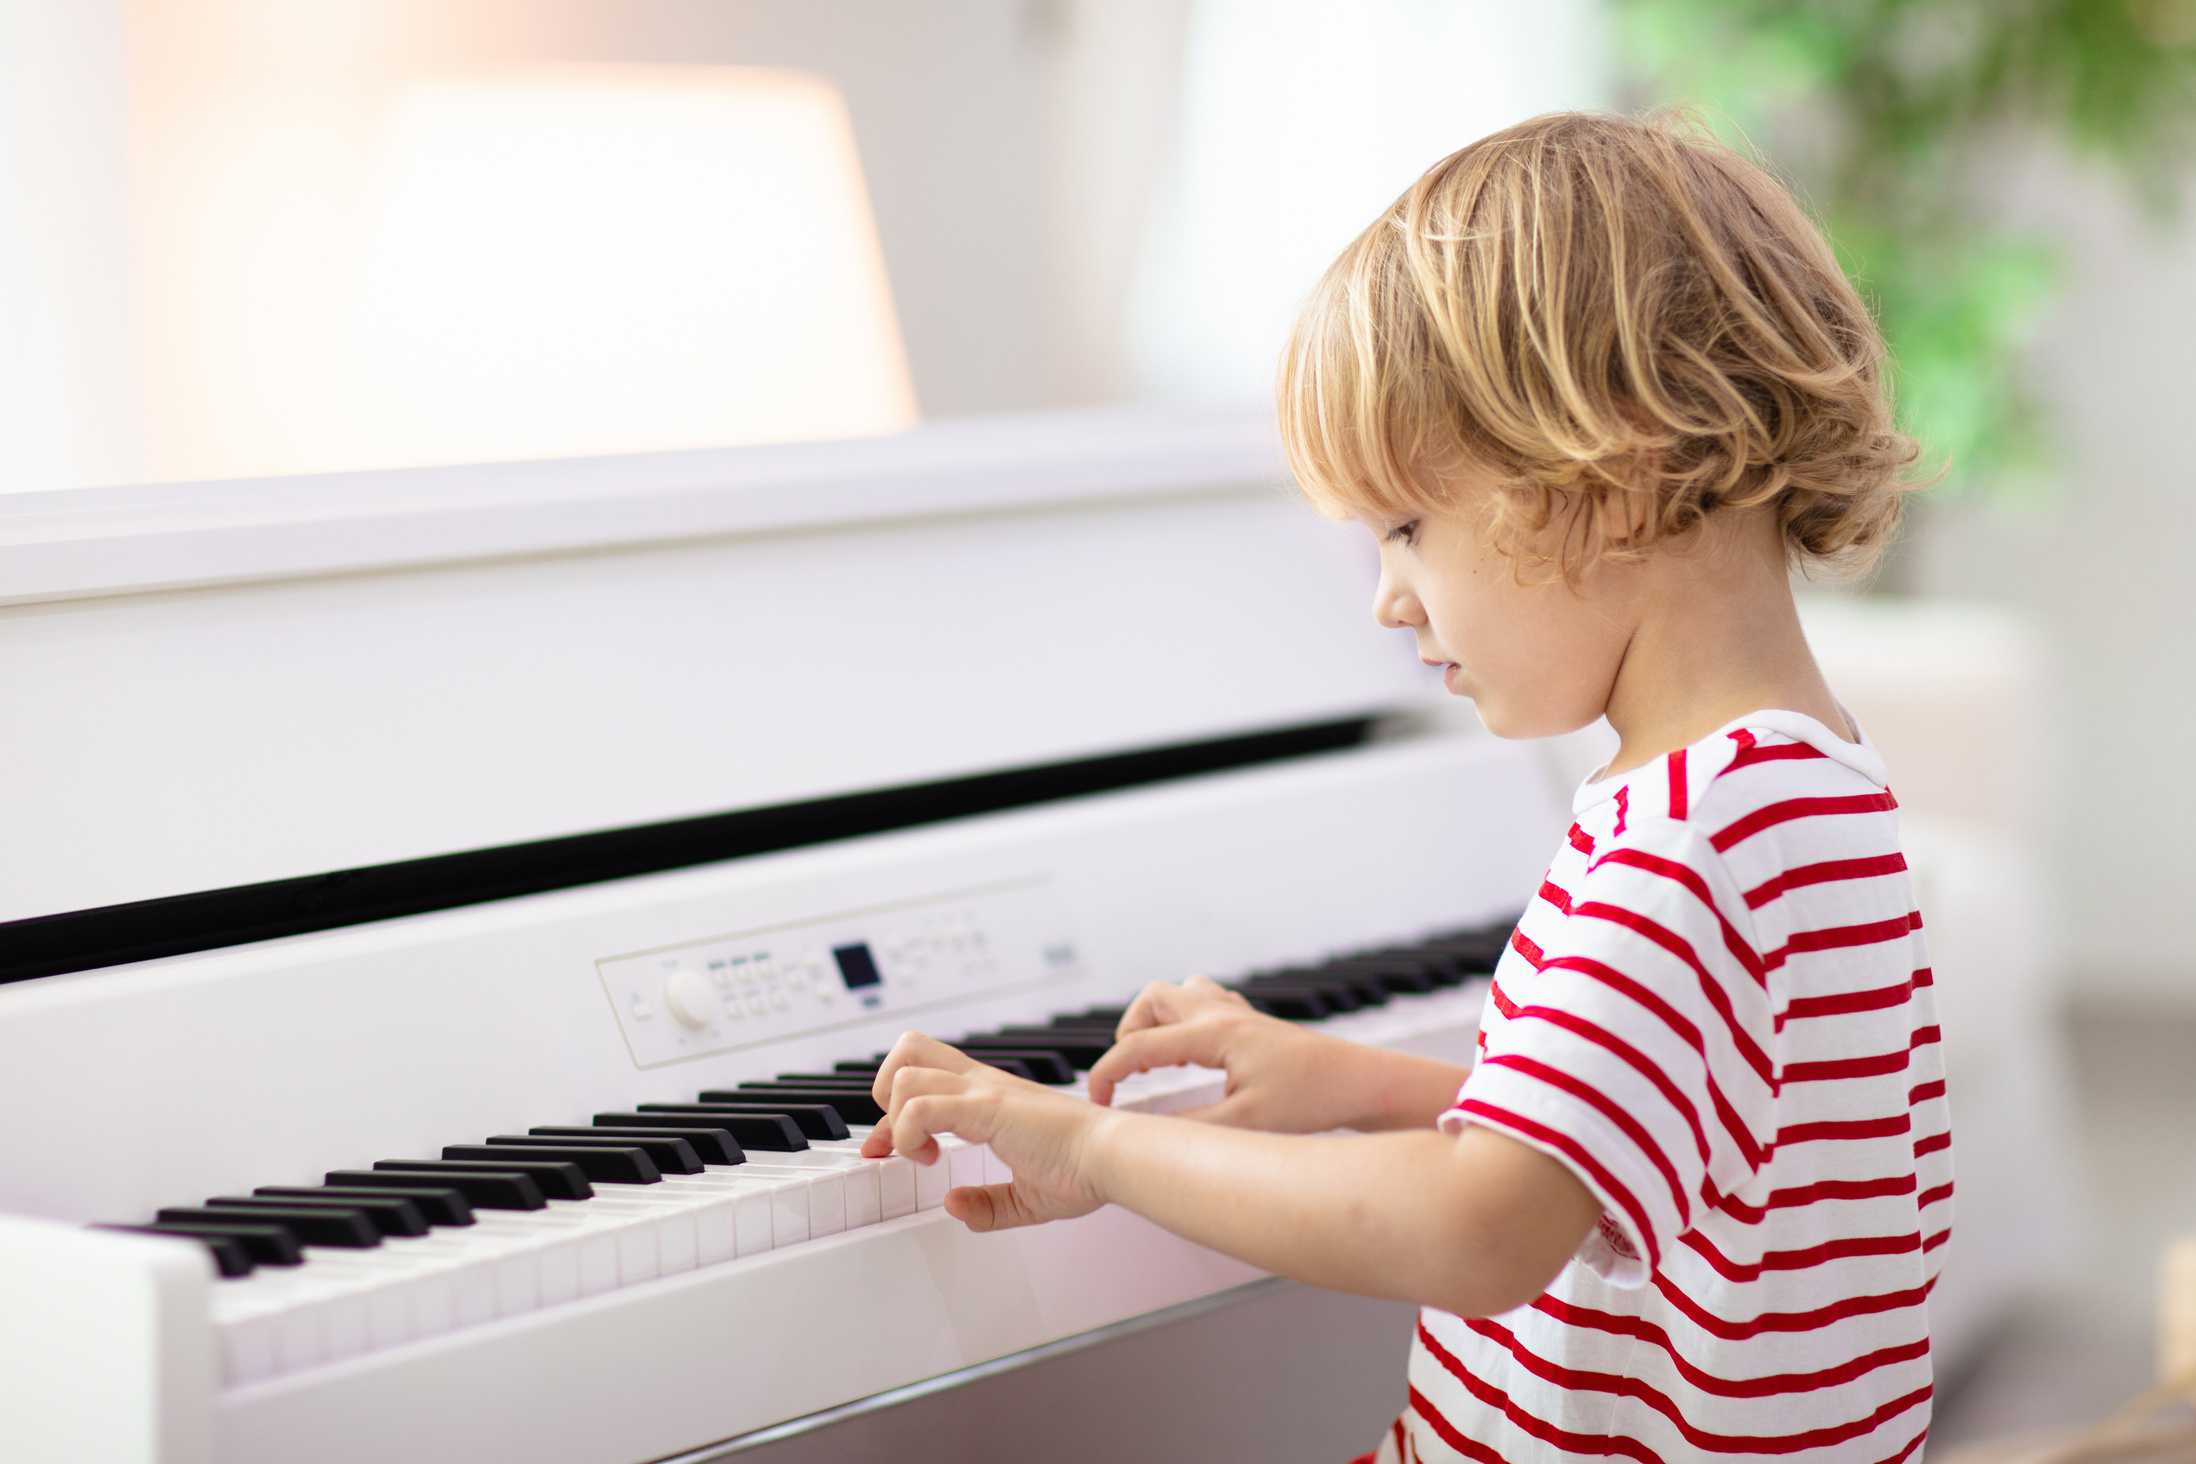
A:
[748, 987]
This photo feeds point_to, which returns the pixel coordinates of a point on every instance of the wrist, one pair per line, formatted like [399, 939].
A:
[1098, 1151]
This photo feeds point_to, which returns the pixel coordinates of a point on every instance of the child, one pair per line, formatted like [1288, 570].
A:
[1596, 385]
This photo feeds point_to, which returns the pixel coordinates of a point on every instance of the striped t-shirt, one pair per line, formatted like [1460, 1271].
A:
[1716, 1013]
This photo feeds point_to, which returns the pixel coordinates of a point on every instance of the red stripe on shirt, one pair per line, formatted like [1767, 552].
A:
[1844, 1129]
[1844, 937]
[1734, 1330]
[1640, 1329]
[1800, 1196]
[1829, 871]
[1845, 1003]
[1806, 1258]
[1785, 752]
[1863, 1067]
[1678, 801]
[1773, 814]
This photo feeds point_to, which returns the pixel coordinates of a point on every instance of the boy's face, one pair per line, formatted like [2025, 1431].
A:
[1537, 658]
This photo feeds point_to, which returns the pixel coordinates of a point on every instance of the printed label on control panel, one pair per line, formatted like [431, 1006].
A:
[725, 992]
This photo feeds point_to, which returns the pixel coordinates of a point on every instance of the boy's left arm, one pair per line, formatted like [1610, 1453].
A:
[1476, 1223]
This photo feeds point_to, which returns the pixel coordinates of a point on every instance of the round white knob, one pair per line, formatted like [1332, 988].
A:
[689, 995]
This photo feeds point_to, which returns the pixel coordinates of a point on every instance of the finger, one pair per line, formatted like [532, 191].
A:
[917, 1120]
[908, 1120]
[1153, 1047]
[1154, 1006]
[1204, 988]
[913, 1049]
[991, 1207]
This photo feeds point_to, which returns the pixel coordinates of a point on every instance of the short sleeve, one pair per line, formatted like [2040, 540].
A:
[1633, 1043]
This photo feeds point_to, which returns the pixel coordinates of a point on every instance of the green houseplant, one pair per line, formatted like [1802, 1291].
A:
[1884, 113]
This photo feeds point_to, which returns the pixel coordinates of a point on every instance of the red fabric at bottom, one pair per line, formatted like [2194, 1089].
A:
[1362, 1459]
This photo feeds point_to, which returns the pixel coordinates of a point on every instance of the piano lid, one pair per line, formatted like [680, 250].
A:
[227, 684]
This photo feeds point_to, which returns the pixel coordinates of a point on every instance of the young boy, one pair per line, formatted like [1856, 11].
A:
[1596, 385]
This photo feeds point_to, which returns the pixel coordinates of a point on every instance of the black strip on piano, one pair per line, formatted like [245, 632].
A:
[83, 940]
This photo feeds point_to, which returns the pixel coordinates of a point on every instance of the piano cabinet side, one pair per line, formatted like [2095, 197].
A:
[106, 1347]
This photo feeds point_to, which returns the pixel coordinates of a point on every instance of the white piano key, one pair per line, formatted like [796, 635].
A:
[932, 1181]
[896, 1186]
[826, 1192]
[966, 1159]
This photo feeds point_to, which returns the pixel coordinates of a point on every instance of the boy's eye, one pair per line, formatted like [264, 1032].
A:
[1404, 533]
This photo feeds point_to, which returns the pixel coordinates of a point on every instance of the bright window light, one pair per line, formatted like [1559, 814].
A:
[591, 259]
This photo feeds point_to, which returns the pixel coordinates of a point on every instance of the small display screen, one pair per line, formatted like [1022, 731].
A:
[857, 967]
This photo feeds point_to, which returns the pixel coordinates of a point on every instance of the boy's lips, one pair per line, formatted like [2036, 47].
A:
[1448, 672]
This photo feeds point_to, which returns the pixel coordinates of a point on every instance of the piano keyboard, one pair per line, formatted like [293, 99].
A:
[398, 1250]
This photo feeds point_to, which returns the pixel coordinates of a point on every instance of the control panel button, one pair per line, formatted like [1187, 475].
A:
[691, 997]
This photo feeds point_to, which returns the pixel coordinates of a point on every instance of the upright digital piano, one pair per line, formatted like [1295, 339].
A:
[447, 917]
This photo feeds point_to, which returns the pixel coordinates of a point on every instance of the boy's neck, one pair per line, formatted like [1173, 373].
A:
[1716, 636]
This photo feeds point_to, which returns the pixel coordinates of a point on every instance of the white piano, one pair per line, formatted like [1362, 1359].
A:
[348, 824]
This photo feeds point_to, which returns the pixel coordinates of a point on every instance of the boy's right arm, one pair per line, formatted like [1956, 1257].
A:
[1281, 1078]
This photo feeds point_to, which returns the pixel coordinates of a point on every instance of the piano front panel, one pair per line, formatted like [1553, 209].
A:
[138, 1088]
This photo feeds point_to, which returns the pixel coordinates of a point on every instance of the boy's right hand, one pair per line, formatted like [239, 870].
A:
[1281, 1078]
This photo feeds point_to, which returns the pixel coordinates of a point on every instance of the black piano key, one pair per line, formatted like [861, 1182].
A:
[773, 1130]
[438, 1206]
[267, 1245]
[811, 1120]
[481, 1191]
[391, 1214]
[853, 1102]
[620, 1165]
[1038, 1064]
[1296, 1006]
[806, 1080]
[230, 1257]
[1369, 989]
[1106, 1013]
[672, 1152]
[711, 1141]
[350, 1229]
[1336, 995]
[1083, 1023]
[670, 1155]
[1440, 970]
[1080, 1047]
[550, 1181]
[1397, 976]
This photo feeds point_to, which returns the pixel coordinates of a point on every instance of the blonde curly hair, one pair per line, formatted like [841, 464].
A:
[1621, 321]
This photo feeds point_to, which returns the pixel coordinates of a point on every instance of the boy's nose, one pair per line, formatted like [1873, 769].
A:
[1395, 608]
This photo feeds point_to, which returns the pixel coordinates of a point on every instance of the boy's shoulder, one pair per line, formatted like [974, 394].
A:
[1755, 774]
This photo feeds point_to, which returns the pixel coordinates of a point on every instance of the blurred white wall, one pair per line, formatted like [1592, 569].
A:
[68, 373]
[2101, 563]
[1301, 121]
[1077, 200]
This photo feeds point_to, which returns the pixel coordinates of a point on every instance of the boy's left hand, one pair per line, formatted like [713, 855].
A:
[927, 1088]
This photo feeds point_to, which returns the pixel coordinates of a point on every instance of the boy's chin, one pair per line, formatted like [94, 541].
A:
[1520, 723]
